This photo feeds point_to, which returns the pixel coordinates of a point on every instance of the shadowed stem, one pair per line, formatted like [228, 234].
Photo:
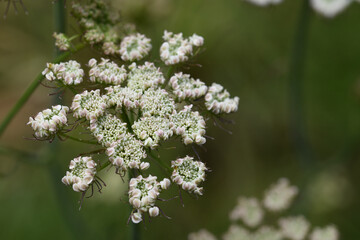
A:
[298, 128]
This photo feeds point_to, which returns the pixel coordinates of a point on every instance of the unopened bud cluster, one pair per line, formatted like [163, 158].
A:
[68, 73]
[81, 174]
[61, 41]
[143, 193]
[49, 121]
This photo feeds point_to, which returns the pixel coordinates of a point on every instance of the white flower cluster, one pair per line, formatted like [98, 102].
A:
[186, 87]
[218, 100]
[294, 228]
[69, 73]
[188, 174]
[249, 211]
[202, 234]
[327, 233]
[106, 72]
[236, 232]
[61, 41]
[134, 47]
[152, 129]
[189, 125]
[264, 3]
[267, 233]
[177, 49]
[107, 129]
[143, 193]
[49, 121]
[157, 103]
[144, 76]
[127, 152]
[81, 174]
[123, 96]
[89, 105]
[280, 195]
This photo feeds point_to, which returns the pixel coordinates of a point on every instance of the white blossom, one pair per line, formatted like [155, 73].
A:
[81, 174]
[143, 193]
[186, 87]
[144, 76]
[134, 47]
[49, 121]
[123, 96]
[89, 105]
[177, 49]
[106, 72]
[202, 234]
[152, 129]
[188, 174]
[330, 8]
[190, 125]
[157, 103]
[94, 35]
[69, 73]
[127, 152]
[107, 129]
[61, 41]
[267, 233]
[327, 233]
[249, 211]
[218, 100]
[280, 195]
[294, 228]
[236, 232]
[110, 48]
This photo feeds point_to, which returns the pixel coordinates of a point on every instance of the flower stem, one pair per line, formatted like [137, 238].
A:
[29, 91]
[77, 139]
[296, 72]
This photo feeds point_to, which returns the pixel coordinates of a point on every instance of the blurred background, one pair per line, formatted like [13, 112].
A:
[248, 51]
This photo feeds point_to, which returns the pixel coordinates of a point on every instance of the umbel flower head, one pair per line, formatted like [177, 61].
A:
[327, 233]
[188, 174]
[294, 228]
[249, 211]
[68, 73]
[49, 121]
[61, 41]
[129, 109]
[134, 47]
[81, 174]
[143, 193]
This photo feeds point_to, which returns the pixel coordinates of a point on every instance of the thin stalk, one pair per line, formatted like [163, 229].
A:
[77, 139]
[296, 73]
[29, 91]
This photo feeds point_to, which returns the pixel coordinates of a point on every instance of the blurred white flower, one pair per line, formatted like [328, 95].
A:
[327, 233]
[202, 234]
[294, 228]
[267, 233]
[280, 195]
[249, 211]
[330, 8]
[264, 3]
[61, 41]
[236, 232]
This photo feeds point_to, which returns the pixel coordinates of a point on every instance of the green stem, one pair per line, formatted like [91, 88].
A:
[296, 86]
[103, 166]
[29, 91]
[77, 139]
[158, 160]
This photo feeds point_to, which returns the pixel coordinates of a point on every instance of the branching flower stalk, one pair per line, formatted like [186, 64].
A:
[130, 107]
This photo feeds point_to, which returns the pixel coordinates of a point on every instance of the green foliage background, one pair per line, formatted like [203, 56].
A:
[248, 51]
